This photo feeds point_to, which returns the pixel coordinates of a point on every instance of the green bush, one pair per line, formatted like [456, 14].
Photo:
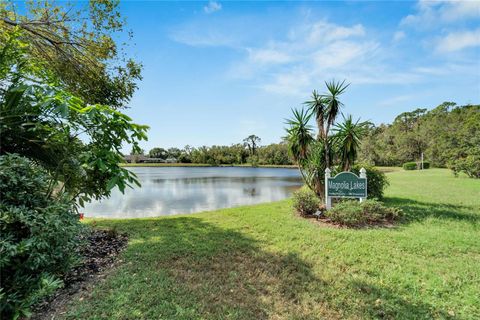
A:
[38, 233]
[469, 165]
[410, 166]
[376, 180]
[416, 165]
[305, 201]
[354, 213]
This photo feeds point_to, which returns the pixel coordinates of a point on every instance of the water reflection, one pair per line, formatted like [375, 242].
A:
[176, 190]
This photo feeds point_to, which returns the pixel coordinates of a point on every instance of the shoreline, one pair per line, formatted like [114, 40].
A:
[278, 166]
[206, 165]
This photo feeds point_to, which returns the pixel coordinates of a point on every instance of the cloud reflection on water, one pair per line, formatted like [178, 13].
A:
[174, 190]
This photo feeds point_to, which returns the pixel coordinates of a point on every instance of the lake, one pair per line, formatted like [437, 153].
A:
[175, 190]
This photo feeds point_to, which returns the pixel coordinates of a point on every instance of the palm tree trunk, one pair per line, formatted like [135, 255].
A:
[320, 190]
[327, 146]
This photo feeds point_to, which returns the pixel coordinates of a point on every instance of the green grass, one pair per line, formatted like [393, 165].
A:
[263, 262]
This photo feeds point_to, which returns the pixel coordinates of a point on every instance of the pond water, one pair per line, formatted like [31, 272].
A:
[174, 190]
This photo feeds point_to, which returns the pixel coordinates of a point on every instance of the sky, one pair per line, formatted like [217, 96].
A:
[216, 72]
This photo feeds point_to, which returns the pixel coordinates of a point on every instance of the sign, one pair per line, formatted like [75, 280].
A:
[345, 185]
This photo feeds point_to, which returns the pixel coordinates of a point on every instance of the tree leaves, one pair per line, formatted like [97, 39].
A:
[75, 45]
[79, 144]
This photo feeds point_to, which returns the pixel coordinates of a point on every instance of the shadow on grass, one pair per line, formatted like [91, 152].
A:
[212, 273]
[186, 268]
[381, 303]
[417, 210]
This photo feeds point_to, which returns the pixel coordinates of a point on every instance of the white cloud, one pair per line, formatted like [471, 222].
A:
[306, 54]
[323, 32]
[456, 41]
[209, 38]
[399, 35]
[309, 52]
[313, 52]
[431, 13]
[267, 56]
[212, 7]
[342, 53]
[393, 101]
[294, 83]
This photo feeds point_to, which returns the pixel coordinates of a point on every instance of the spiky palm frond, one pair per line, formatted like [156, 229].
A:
[331, 100]
[317, 107]
[346, 139]
[299, 134]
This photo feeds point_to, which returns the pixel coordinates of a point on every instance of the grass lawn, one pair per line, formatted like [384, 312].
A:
[263, 262]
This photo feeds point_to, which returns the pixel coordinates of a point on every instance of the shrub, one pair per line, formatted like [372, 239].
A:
[305, 201]
[469, 165]
[376, 180]
[354, 213]
[253, 160]
[38, 234]
[416, 165]
[410, 166]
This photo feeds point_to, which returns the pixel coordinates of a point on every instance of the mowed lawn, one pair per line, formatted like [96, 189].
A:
[263, 262]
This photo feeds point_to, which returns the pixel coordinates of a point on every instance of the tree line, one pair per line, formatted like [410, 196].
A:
[447, 135]
[239, 153]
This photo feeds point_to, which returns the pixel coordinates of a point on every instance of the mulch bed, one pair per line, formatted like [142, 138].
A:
[99, 255]
[326, 222]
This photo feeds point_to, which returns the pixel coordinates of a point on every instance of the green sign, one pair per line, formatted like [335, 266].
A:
[347, 184]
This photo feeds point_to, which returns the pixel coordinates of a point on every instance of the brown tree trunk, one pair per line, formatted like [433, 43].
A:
[320, 190]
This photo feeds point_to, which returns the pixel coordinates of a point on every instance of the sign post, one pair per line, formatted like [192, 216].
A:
[345, 185]
[328, 201]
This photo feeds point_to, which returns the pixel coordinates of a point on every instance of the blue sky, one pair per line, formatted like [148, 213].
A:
[216, 72]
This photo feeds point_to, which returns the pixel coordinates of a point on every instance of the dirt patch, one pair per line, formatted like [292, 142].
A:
[99, 258]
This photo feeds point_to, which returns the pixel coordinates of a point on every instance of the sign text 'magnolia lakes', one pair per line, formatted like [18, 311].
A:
[347, 184]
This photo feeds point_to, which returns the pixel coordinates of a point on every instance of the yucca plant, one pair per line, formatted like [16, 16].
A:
[328, 150]
[346, 140]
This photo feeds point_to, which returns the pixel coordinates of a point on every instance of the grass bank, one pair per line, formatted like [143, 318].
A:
[263, 262]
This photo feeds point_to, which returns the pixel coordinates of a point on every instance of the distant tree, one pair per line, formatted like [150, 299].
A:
[444, 135]
[274, 154]
[252, 141]
[174, 153]
[158, 153]
[188, 150]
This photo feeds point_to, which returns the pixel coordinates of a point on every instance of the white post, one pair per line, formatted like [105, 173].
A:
[422, 160]
[328, 201]
[363, 174]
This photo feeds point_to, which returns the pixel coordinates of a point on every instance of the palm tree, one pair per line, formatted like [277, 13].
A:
[314, 156]
[347, 140]
[299, 138]
[333, 105]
